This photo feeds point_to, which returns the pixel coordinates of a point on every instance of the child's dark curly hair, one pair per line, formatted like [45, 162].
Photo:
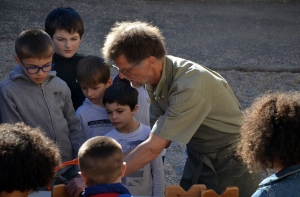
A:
[27, 158]
[271, 131]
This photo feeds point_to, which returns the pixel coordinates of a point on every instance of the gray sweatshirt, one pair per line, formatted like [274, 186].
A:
[48, 106]
[94, 119]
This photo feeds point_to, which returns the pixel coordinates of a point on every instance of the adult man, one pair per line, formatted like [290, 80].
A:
[189, 103]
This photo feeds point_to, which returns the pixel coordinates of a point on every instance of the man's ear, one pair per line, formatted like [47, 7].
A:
[17, 59]
[83, 176]
[123, 169]
[151, 61]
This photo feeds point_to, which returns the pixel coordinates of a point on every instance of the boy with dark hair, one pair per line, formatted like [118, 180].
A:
[93, 75]
[120, 101]
[65, 27]
[28, 159]
[34, 95]
[102, 167]
[270, 140]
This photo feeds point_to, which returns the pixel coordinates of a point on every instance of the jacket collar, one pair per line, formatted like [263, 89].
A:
[281, 174]
[105, 188]
[164, 82]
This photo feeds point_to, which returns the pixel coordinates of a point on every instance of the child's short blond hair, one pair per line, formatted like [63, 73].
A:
[101, 160]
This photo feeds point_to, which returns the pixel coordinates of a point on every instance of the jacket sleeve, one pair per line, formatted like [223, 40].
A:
[75, 131]
[8, 109]
[158, 174]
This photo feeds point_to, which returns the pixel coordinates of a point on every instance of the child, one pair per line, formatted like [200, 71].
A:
[65, 27]
[142, 114]
[102, 167]
[27, 158]
[34, 95]
[120, 101]
[270, 139]
[93, 75]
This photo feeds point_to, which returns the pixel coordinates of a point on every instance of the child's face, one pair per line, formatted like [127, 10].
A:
[66, 44]
[31, 65]
[95, 94]
[120, 116]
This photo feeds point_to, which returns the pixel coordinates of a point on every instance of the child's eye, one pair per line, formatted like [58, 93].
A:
[74, 39]
[120, 112]
[108, 112]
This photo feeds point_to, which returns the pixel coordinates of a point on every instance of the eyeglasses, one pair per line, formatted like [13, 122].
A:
[125, 72]
[36, 69]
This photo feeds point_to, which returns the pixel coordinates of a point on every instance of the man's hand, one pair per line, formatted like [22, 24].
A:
[75, 187]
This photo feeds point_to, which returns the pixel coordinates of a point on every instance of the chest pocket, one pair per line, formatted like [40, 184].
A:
[58, 96]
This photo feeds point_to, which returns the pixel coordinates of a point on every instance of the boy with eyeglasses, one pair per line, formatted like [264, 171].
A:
[33, 94]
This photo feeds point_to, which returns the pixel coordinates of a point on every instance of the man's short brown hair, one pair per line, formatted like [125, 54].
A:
[101, 160]
[135, 40]
[92, 70]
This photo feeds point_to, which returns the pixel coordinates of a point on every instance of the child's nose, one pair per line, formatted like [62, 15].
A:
[89, 92]
[67, 44]
[121, 75]
[114, 115]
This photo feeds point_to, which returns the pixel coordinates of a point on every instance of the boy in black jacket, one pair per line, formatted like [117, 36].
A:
[65, 27]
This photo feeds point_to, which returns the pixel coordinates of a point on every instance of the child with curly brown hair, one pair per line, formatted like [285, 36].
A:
[28, 159]
[270, 139]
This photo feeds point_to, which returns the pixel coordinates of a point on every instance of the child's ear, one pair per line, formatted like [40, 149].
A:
[82, 174]
[136, 107]
[17, 59]
[109, 82]
[123, 169]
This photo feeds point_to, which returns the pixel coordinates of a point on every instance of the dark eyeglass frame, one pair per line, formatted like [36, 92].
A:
[125, 72]
[38, 68]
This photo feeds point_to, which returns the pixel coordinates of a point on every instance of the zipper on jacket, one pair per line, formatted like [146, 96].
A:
[41, 86]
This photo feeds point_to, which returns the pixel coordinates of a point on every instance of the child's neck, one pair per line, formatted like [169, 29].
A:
[130, 127]
[99, 103]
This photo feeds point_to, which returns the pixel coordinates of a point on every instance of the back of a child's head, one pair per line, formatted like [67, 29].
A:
[121, 92]
[92, 70]
[27, 158]
[64, 18]
[101, 160]
[271, 131]
[35, 44]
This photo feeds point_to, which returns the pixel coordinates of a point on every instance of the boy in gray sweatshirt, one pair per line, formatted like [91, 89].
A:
[34, 95]
[93, 76]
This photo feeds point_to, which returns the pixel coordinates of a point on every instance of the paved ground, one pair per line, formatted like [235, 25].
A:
[253, 44]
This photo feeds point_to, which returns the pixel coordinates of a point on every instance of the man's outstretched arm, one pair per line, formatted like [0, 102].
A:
[145, 153]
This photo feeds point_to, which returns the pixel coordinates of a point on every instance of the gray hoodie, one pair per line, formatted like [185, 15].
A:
[47, 106]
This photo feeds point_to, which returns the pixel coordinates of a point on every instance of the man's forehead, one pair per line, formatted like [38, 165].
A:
[121, 62]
